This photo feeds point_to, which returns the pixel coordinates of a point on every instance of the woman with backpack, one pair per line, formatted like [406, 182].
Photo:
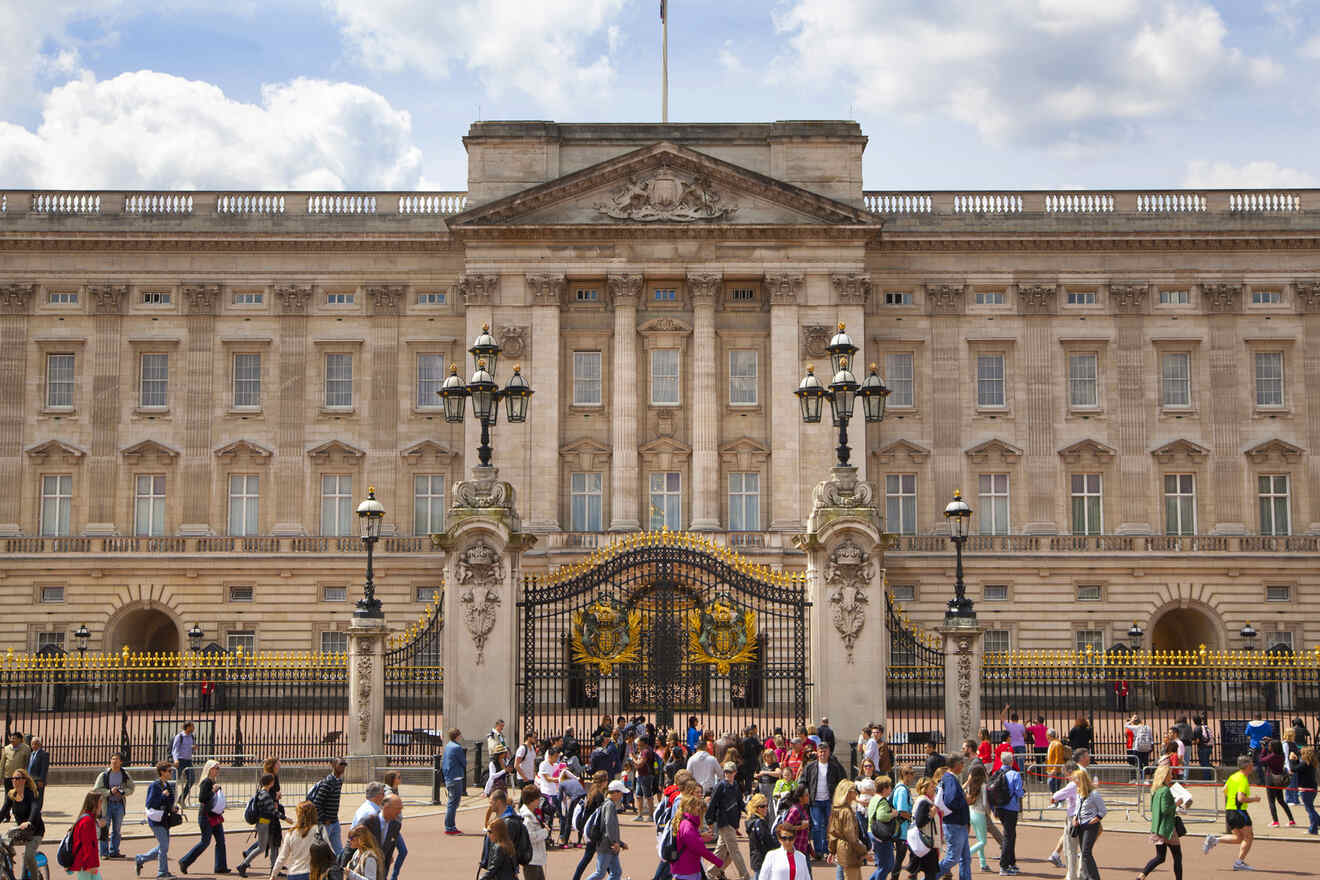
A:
[687, 837]
[162, 815]
[82, 838]
[295, 853]
[24, 808]
[978, 806]
[1143, 742]
[925, 837]
[882, 827]
[760, 836]
[536, 831]
[595, 797]
[210, 819]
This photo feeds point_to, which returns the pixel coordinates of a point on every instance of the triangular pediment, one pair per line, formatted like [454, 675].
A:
[1275, 449]
[149, 448]
[902, 451]
[1182, 449]
[664, 184]
[56, 449]
[586, 454]
[744, 453]
[1088, 449]
[334, 448]
[664, 453]
[994, 449]
[238, 448]
[427, 450]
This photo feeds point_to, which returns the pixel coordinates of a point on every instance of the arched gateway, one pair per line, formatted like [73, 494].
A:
[663, 625]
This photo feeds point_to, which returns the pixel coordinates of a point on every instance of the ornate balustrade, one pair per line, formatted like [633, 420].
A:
[1008, 203]
[43, 203]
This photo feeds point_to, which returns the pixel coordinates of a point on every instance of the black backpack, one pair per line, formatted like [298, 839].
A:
[522, 841]
[669, 844]
[884, 831]
[594, 829]
[64, 855]
[250, 812]
[997, 791]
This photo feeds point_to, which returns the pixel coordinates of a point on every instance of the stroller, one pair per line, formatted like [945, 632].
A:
[11, 867]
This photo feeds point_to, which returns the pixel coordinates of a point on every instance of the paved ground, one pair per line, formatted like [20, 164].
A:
[1120, 854]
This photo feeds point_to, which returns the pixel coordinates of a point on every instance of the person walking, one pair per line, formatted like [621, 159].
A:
[1090, 813]
[1237, 821]
[955, 814]
[276, 838]
[496, 738]
[705, 769]
[23, 807]
[723, 814]
[903, 800]
[978, 809]
[611, 842]
[1055, 757]
[501, 860]
[537, 832]
[691, 846]
[1306, 785]
[391, 820]
[14, 758]
[453, 765]
[181, 752]
[1204, 740]
[1066, 853]
[210, 819]
[1276, 781]
[268, 816]
[294, 856]
[924, 836]
[38, 768]
[325, 794]
[367, 862]
[882, 827]
[86, 855]
[1291, 757]
[787, 862]
[1008, 816]
[821, 776]
[826, 733]
[162, 814]
[1165, 827]
[368, 812]
[114, 785]
[760, 836]
[844, 842]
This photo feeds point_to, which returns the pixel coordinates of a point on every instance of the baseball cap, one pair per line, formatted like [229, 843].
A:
[617, 785]
[730, 767]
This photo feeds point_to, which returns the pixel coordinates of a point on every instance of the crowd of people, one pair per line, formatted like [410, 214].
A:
[766, 804]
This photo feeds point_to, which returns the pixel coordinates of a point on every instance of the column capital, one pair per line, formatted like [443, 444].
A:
[1308, 296]
[946, 299]
[478, 289]
[386, 299]
[1222, 299]
[784, 288]
[624, 288]
[1129, 299]
[16, 299]
[703, 287]
[547, 288]
[294, 298]
[851, 288]
[1037, 299]
[108, 299]
[201, 299]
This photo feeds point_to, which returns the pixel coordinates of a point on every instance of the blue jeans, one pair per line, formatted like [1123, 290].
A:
[1308, 801]
[820, 819]
[884, 858]
[161, 850]
[218, 832]
[455, 788]
[114, 817]
[1290, 795]
[607, 863]
[400, 853]
[957, 851]
[184, 772]
[332, 836]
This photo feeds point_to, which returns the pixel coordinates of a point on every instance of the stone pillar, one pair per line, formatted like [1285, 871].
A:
[786, 372]
[706, 404]
[548, 293]
[946, 304]
[108, 302]
[1224, 399]
[366, 693]
[382, 366]
[1134, 467]
[15, 306]
[290, 469]
[963, 645]
[1308, 304]
[483, 547]
[625, 481]
[197, 467]
[1037, 304]
[845, 584]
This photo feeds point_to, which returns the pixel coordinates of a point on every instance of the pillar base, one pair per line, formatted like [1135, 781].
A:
[625, 525]
[705, 525]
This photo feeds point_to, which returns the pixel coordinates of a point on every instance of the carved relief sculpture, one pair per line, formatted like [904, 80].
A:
[704, 284]
[477, 289]
[547, 289]
[1308, 296]
[784, 289]
[814, 339]
[1128, 299]
[851, 289]
[1221, 299]
[201, 298]
[965, 685]
[16, 299]
[664, 197]
[364, 690]
[479, 572]
[513, 341]
[624, 286]
[842, 490]
[293, 298]
[848, 574]
[1037, 299]
[385, 298]
[108, 299]
[945, 299]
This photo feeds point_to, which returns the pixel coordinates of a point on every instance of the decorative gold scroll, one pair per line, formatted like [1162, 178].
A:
[721, 637]
[606, 636]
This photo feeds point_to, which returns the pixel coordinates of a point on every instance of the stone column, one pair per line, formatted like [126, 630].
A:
[290, 401]
[1223, 400]
[1134, 467]
[625, 480]
[845, 584]
[108, 302]
[963, 645]
[195, 396]
[706, 405]
[15, 306]
[786, 372]
[1308, 303]
[547, 294]
[366, 693]
[483, 547]
[1040, 464]
[382, 464]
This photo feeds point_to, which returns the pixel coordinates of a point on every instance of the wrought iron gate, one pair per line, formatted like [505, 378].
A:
[664, 625]
[415, 687]
[914, 693]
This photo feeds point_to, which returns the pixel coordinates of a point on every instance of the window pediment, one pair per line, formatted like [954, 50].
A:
[243, 450]
[902, 451]
[994, 451]
[586, 454]
[428, 452]
[744, 453]
[663, 453]
[1274, 450]
[1181, 450]
[149, 452]
[1088, 450]
[55, 451]
[335, 452]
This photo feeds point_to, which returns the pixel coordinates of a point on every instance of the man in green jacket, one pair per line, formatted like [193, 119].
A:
[114, 785]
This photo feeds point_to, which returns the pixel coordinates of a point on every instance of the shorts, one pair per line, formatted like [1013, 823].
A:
[1235, 819]
[646, 786]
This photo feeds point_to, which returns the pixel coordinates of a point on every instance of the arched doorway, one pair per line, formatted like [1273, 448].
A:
[1184, 629]
[145, 629]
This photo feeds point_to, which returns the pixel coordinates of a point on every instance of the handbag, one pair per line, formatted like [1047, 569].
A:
[1179, 827]
[1277, 780]
[173, 819]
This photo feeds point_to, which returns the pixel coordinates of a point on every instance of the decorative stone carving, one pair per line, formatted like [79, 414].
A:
[16, 299]
[1222, 299]
[784, 289]
[840, 491]
[201, 299]
[664, 422]
[484, 491]
[963, 651]
[815, 337]
[1308, 296]
[848, 573]
[1087, 450]
[704, 285]
[513, 341]
[1129, 299]
[547, 289]
[624, 287]
[294, 298]
[479, 571]
[851, 289]
[945, 299]
[1037, 299]
[107, 299]
[664, 325]
[1275, 450]
[478, 289]
[1181, 450]
[1006, 453]
[364, 690]
[385, 298]
[664, 197]
[902, 451]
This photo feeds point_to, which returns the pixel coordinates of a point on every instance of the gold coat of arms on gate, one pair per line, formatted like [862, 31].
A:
[606, 635]
[721, 636]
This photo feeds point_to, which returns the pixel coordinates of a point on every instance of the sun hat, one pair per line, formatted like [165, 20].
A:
[730, 767]
[617, 785]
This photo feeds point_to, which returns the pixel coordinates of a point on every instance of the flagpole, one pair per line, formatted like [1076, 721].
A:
[664, 61]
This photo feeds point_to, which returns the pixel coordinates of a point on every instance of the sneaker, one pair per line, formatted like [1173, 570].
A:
[137, 866]
[241, 870]
[1004, 872]
[1055, 860]
[1209, 842]
[1274, 824]
[1291, 823]
[1240, 865]
[452, 831]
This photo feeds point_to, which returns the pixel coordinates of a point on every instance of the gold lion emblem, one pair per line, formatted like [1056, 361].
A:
[606, 635]
[722, 636]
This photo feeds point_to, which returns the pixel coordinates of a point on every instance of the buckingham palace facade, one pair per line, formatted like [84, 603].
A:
[200, 387]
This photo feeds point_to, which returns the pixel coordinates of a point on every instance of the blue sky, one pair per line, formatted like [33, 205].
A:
[367, 94]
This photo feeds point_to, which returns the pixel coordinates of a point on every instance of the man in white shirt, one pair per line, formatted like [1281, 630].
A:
[547, 781]
[370, 809]
[524, 761]
[871, 748]
[705, 769]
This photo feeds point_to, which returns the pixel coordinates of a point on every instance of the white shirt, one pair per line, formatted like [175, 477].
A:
[704, 769]
[368, 810]
[525, 758]
[295, 852]
[537, 832]
[1067, 794]
[871, 749]
[545, 778]
[822, 781]
[775, 866]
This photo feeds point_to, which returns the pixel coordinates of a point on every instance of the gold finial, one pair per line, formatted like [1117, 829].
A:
[957, 493]
[485, 328]
[811, 368]
[874, 366]
[842, 326]
[517, 368]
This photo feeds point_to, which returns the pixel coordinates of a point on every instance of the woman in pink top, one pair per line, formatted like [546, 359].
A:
[1040, 739]
[691, 848]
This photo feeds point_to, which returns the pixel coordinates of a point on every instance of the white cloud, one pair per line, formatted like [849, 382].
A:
[35, 42]
[1022, 71]
[1203, 173]
[729, 59]
[153, 130]
[1311, 48]
[535, 48]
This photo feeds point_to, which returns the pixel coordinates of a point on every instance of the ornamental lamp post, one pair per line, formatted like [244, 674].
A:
[958, 514]
[1135, 632]
[82, 635]
[371, 512]
[843, 391]
[485, 392]
[195, 637]
[1248, 634]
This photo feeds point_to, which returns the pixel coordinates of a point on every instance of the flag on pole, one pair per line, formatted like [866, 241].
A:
[663, 4]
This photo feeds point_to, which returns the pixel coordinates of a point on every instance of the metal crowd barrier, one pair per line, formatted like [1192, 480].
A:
[1119, 786]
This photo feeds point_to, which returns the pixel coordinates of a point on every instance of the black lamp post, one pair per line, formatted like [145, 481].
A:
[1135, 632]
[959, 515]
[843, 391]
[371, 512]
[485, 393]
[195, 637]
[1248, 634]
[82, 635]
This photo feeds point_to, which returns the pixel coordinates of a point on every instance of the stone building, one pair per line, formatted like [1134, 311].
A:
[200, 387]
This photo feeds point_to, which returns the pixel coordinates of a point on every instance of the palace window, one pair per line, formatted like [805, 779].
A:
[990, 381]
[339, 381]
[342, 298]
[901, 503]
[1273, 492]
[427, 594]
[155, 387]
[62, 297]
[1089, 593]
[995, 593]
[430, 376]
[744, 501]
[587, 295]
[1083, 381]
[249, 297]
[1176, 380]
[1087, 518]
[428, 504]
[149, 505]
[992, 515]
[664, 377]
[59, 381]
[1175, 297]
[742, 377]
[586, 496]
[247, 380]
[1280, 639]
[56, 500]
[742, 294]
[667, 501]
[1180, 504]
[242, 594]
[998, 641]
[1278, 593]
[666, 294]
[431, 297]
[1266, 297]
[1082, 298]
[898, 298]
[52, 595]
[337, 509]
[334, 594]
[898, 376]
[903, 592]
[157, 297]
[1269, 378]
[244, 504]
[241, 639]
[1093, 637]
[586, 378]
[989, 297]
[334, 642]
[48, 640]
